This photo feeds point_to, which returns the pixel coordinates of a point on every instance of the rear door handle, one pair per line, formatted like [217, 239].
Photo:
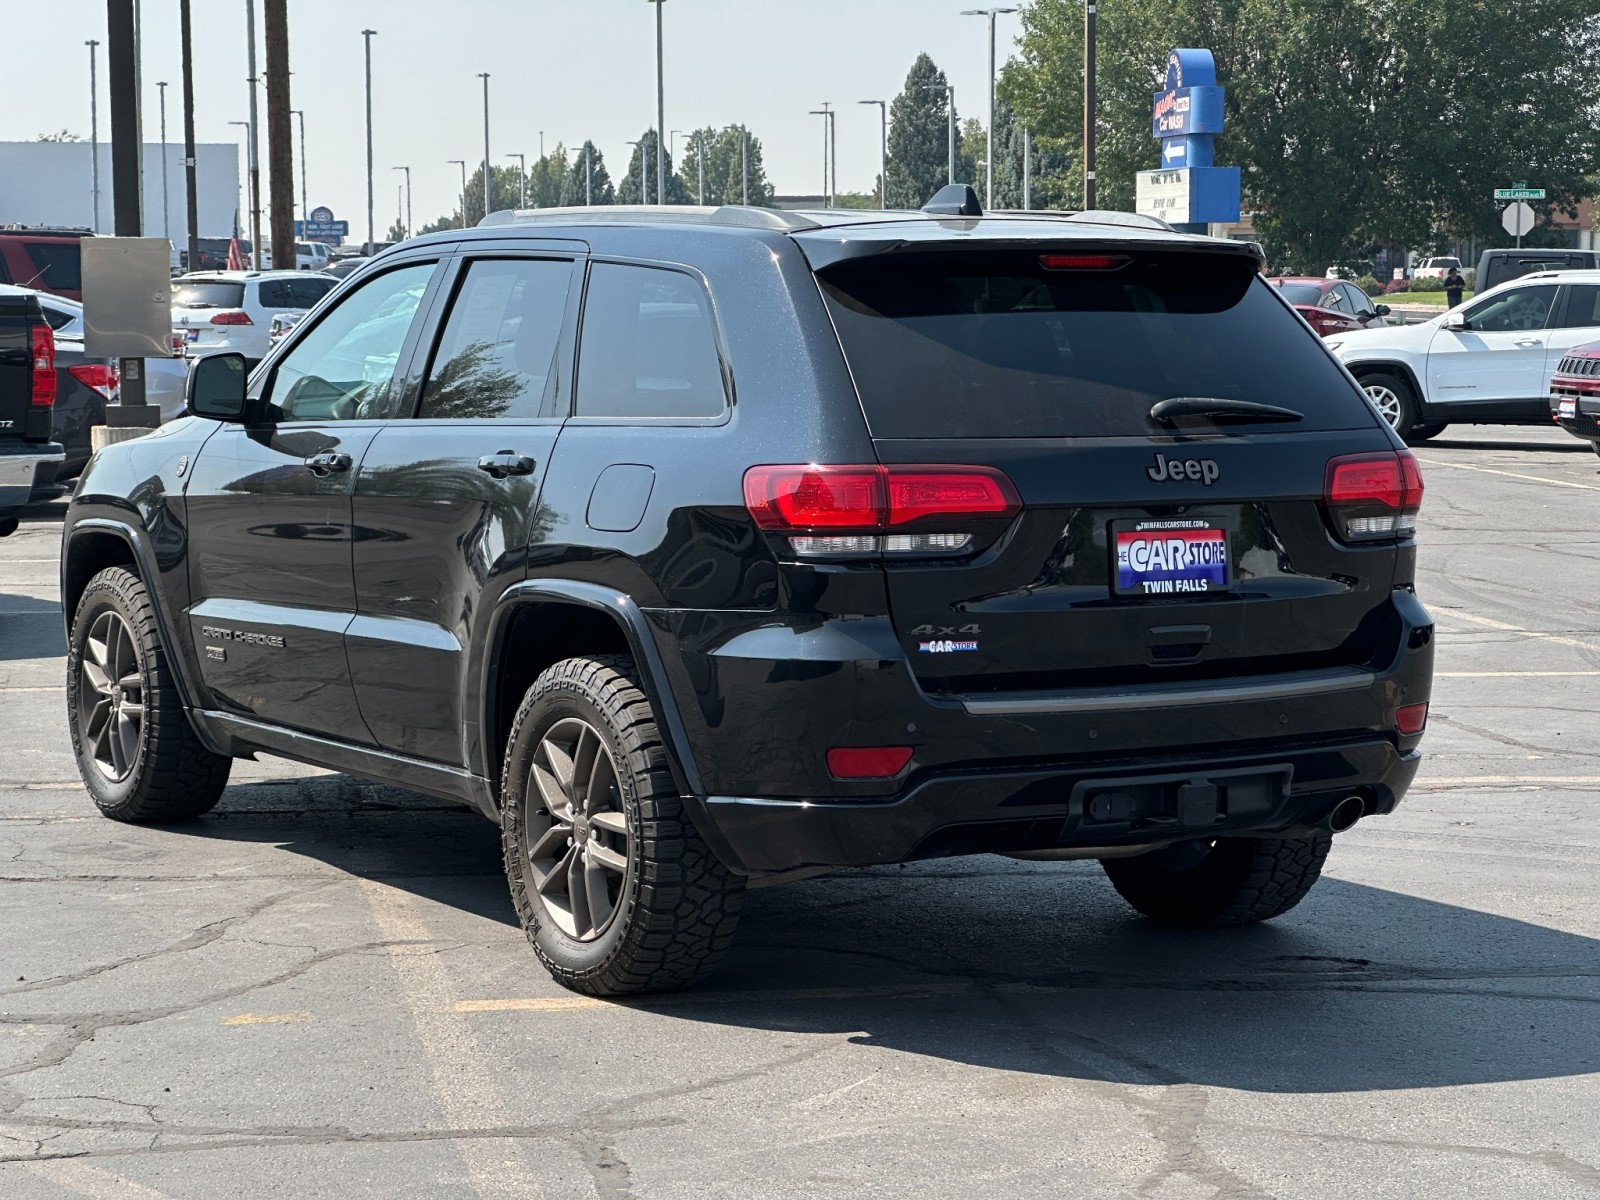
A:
[1527, 342]
[506, 462]
[328, 462]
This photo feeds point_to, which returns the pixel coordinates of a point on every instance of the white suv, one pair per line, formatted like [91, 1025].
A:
[1487, 362]
[219, 311]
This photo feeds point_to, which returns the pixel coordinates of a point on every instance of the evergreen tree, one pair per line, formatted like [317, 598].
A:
[725, 166]
[584, 185]
[919, 138]
[628, 191]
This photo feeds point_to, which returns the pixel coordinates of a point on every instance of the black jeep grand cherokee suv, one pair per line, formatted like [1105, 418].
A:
[703, 549]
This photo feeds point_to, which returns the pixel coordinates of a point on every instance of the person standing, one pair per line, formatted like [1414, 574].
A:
[1454, 284]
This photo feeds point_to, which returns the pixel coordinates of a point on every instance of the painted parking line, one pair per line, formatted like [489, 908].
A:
[1522, 781]
[668, 999]
[1434, 462]
[1560, 639]
[1513, 674]
[283, 1018]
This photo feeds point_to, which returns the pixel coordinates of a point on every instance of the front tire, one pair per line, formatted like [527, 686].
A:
[612, 883]
[1396, 404]
[1231, 881]
[139, 757]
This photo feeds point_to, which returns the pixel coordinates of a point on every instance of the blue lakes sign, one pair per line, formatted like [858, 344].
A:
[1187, 188]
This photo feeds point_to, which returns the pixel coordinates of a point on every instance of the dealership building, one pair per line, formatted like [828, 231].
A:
[52, 183]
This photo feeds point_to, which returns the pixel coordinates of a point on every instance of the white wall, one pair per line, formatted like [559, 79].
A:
[51, 183]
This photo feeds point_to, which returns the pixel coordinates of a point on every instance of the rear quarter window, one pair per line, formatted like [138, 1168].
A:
[58, 264]
[963, 345]
[208, 294]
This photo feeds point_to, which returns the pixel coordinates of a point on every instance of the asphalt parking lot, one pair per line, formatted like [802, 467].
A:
[320, 989]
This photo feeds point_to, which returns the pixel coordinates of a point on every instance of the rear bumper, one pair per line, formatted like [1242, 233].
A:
[22, 465]
[1012, 811]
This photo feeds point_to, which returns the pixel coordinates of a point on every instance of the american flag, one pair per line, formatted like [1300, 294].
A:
[235, 255]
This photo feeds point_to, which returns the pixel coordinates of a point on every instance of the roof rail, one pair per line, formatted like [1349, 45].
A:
[740, 215]
[1107, 216]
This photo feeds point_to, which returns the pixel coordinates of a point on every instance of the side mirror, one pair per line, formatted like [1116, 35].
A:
[1383, 310]
[1456, 321]
[216, 387]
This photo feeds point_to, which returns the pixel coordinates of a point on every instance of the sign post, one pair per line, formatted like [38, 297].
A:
[1188, 189]
[1518, 217]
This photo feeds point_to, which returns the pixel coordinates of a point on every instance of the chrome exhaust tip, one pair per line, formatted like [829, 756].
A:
[1345, 814]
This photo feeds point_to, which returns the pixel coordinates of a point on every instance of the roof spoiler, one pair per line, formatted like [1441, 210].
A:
[954, 200]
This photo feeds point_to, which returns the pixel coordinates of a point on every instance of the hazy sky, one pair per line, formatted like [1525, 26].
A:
[573, 68]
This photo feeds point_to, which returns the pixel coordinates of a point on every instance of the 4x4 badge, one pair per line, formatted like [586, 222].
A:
[1173, 470]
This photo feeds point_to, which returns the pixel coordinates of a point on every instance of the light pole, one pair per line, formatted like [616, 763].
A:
[700, 161]
[255, 162]
[672, 146]
[94, 131]
[1088, 104]
[991, 13]
[407, 170]
[639, 144]
[744, 165]
[488, 179]
[661, 111]
[950, 102]
[166, 213]
[1027, 171]
[305, 192]
[830, 153]
[883, 151]
[588, 174]
[522, 174]
[463, 164]
[372, 233]
[245, 125]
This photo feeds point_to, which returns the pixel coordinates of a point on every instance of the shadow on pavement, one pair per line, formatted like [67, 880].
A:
[1539, 446]
[30, 628]
[1039, 968]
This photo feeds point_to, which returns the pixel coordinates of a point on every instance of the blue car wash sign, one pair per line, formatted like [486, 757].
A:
[322, 227]
[1187, 188]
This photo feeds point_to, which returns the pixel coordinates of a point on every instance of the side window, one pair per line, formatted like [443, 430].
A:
[647, 348]
[1583, 306]
[304, 293]
[1520, 308]
[496, 357]
[1333, 299]
[344, 369]
[58, 318]
[274, 293]
[1360, 302]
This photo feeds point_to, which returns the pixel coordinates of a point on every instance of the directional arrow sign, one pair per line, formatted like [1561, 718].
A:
[1519, 193]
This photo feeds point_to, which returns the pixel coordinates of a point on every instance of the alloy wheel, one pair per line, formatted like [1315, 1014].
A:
[576, 836]
[1386, 402]
[111, 696]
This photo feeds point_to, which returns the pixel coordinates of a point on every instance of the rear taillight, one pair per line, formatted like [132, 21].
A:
[867, 762]
[102, 377]
[852, 511]
[42, 354]
[1373, 497]
[232, 317]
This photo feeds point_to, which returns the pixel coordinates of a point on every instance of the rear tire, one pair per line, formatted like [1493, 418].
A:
[1395, 401]
[1232, 881]
[612, 883]
[1421, 433]
[139, 757]
[1595, 446]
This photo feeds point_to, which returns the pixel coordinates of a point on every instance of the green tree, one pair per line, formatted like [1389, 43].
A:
[1356, 124]
[628, 191]
[919, 138]
[60, 135]
[725, 165]
[397, 231]
[585, 182]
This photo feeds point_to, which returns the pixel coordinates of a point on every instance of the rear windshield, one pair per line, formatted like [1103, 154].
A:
[211, 294]
[59, 263]
[1300, 293]
[976, 346]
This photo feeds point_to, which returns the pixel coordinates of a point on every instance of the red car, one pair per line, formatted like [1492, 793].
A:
[1575, 393]
[1331, 305]
[46, 260]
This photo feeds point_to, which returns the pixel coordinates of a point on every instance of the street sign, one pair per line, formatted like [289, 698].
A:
[1189, 195]
[1519, 193]
[322, 227]
[1517, 219]
[1186, 118]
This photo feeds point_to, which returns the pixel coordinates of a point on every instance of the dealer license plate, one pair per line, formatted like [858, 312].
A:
[1568, 408]
[1169, 557]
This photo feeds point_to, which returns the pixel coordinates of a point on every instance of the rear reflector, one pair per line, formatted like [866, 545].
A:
[1082, 262]
[1374, 496]
[102, 377]
[867, 762]
[42, 357]
[233, 317]
[1412, 718]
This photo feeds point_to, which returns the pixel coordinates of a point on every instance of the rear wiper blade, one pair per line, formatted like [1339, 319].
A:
[1166, 412]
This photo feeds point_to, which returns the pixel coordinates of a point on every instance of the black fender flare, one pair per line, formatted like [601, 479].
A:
[625, 611]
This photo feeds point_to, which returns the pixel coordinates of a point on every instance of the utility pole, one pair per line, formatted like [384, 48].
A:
[407, 170]
[1088, 104]
[122, 71]
[166, 211]
[661, 110]
[488, 177]
[305, 197]
[190, 183]
[883, 151]
[372, 235]
[463, 164]
[522, 174]
[991, 13]
[255, 160]
[280, 134]
[94, 131]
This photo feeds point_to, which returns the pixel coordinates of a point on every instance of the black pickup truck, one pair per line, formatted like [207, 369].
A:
[27, 396]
